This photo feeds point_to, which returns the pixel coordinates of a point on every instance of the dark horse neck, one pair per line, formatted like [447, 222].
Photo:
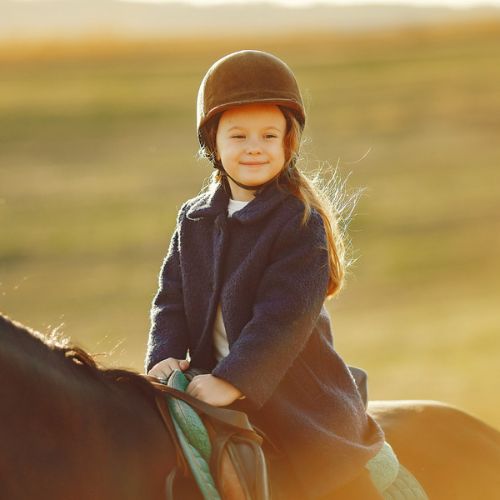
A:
[70, 430]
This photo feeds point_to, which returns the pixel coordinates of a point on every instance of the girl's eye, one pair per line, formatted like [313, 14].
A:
[237, 137]
[270, 136]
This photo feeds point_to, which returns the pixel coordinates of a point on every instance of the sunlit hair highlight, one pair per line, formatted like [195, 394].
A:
[329, 198]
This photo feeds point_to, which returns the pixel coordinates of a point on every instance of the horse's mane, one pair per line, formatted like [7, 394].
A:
[69, 353]
[71, 428]
[122, 376]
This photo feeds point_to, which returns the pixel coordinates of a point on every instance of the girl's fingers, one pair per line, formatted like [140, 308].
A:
[177, 364]
[192, 389]
[160, 373]
[173, 365]
[164, 368]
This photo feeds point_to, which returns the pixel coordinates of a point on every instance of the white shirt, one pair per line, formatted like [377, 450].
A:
[235, 205]
[219, 332]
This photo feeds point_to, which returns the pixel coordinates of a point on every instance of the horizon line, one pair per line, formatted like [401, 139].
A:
[459, 4]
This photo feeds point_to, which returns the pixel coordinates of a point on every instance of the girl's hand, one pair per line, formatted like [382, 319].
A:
[163, 369]
[214, 391]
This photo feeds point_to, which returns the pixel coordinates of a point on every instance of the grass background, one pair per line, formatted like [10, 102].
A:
[98, 151]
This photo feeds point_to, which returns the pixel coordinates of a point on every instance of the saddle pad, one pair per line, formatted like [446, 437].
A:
[193, 438]
[405, 487]
[392, 480]
[383, 467]
[188, 420]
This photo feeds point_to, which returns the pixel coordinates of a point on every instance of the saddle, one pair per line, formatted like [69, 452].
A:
[218, 447]
[223, 452]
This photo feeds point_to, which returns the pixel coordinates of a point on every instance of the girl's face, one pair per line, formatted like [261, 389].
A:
[250, 145]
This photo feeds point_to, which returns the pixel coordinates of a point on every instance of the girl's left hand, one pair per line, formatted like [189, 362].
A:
[214, 391]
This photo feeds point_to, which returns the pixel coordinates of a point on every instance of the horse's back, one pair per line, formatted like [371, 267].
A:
[453, 454]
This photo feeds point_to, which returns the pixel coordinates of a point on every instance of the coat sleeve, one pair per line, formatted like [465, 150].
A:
[288, 302]
[168, 335]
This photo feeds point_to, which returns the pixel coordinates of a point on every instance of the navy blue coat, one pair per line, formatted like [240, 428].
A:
[270, 276]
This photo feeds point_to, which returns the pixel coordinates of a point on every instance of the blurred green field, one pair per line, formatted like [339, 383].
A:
[98, 151]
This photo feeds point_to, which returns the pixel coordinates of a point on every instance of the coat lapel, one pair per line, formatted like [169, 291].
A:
[214, 203]
[210, 204]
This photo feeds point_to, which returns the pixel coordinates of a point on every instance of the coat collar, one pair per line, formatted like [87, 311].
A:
[216, 203]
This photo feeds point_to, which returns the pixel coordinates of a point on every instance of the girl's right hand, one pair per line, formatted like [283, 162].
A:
[163, 369]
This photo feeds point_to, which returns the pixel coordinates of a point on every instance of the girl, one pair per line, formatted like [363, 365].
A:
[243, 286]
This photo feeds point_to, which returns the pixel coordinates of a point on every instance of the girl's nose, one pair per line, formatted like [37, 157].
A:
[253, 146]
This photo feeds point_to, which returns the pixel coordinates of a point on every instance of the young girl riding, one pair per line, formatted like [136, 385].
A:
[243, 285]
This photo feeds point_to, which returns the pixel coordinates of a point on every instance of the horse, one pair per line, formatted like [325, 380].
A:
[72, 429]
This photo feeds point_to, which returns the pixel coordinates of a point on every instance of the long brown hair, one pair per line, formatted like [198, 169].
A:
[329, 198]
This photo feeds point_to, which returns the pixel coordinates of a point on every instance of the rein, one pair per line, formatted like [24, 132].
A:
[162, 406]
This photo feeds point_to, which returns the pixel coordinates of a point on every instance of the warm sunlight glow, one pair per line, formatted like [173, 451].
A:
[307, 3]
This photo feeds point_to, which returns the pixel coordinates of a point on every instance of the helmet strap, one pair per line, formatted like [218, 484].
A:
[255, 188]
[244, 186]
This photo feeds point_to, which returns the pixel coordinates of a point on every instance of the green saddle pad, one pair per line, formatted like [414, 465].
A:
[193, 437]
[392, 480]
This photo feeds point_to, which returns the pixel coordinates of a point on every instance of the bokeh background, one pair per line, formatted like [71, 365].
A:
[98, 151]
